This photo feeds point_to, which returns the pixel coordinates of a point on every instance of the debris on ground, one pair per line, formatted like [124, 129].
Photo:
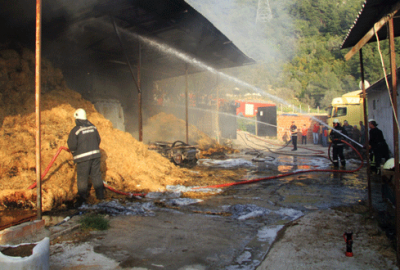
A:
[169, 128]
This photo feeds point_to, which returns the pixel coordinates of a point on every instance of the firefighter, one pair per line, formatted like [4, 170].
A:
[84, 141]
[337, 144]
[377, 145]
[293, 132]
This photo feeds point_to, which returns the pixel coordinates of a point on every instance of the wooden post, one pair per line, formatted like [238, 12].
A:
[38, 60]
[395, 134]
[187, 103]
[366, 131]
[217, 115]
[140, 96]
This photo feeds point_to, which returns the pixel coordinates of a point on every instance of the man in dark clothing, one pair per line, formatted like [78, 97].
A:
[349, 130]
[356, 136]
[84, 141]
[378, 146]
[362, 131]
[325, 133]
[337, 144]
[293, 132]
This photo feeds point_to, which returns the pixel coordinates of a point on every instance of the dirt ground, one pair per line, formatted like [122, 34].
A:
[292, 223]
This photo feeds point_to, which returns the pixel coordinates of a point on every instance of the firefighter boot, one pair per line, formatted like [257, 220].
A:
[335, 165]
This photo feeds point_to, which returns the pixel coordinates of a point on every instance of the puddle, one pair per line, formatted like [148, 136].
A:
[227, 163]
[250, 211]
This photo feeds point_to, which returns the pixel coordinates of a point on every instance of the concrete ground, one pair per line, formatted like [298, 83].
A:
[296, 222]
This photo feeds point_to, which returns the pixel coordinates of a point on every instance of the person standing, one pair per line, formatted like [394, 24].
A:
[349, 129]
[84, 141]
[315, 133]
[337, 144]
[293, 132]
[325, 134]
[362, 131]
[377, 145]
[304, 132]
[356, 135]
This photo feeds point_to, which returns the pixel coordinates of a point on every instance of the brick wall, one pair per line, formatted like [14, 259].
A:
[284, 121]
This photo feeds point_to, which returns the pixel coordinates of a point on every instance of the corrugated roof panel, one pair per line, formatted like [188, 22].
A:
[372, 11]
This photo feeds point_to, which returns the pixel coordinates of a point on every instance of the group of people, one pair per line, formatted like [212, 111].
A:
[317, 133]
[339, 135]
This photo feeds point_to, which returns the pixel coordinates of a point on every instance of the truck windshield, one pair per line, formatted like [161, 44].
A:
[340, 111]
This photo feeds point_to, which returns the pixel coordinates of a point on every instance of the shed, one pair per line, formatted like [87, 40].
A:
[380, 108]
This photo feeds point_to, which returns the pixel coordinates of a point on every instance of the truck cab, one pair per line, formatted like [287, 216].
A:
[347, 107]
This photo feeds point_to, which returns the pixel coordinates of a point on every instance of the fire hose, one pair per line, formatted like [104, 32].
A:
[104, 183]
[318, 153]
[244, 182]
[215, 186]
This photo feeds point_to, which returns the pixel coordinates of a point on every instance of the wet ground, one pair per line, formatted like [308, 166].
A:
[233, 229]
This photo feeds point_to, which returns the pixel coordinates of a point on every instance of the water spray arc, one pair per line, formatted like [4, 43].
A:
[195, 62]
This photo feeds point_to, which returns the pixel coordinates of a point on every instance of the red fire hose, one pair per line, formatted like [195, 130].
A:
[50, 164]
[287, 174]
[105, 184]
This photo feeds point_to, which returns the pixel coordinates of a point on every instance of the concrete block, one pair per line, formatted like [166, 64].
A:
[39, 260]
[21, 231]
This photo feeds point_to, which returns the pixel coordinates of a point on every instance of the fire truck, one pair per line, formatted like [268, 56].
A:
[250, 108]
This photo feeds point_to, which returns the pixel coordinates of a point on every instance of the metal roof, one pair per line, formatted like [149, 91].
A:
[371, 12]
[78, 34]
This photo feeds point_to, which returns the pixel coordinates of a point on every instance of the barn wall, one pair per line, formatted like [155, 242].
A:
[380, 109]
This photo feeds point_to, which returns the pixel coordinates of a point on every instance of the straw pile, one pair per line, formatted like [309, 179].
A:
[167, 127]
[126, 163]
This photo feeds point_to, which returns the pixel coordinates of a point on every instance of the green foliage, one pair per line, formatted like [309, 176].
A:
[297, 50]
[94, 222]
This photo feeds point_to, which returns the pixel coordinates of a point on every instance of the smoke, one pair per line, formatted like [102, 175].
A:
[262, 29]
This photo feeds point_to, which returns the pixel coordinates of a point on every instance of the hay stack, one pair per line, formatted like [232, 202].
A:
[167, 127]
[126, 163]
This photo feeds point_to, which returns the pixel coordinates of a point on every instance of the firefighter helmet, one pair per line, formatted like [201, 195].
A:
[336, 121]
[80, 114]
[389, 164]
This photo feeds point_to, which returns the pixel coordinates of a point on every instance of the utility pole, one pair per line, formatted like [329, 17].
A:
[264, 12]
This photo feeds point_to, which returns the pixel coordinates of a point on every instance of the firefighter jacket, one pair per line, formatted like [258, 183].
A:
[376, 139]
[84, 141]
[337, 137]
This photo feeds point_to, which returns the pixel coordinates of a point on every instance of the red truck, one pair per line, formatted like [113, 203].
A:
[249, 108]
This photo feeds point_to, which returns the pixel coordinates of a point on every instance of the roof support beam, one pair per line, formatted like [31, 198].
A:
[377, 26]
